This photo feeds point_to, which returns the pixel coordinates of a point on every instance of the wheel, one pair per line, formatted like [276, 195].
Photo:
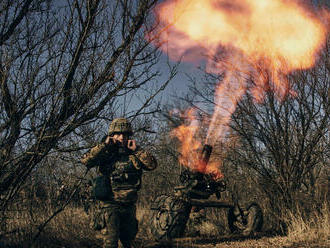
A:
[245, 221]
[169, 218]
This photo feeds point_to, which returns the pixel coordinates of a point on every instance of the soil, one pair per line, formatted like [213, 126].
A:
[233, 241]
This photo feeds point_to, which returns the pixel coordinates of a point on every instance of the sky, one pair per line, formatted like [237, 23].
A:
[179, 85]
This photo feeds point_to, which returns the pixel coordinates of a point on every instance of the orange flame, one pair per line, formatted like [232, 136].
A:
[260, 40]
[191, 146]
[275, 29]
[186, 134]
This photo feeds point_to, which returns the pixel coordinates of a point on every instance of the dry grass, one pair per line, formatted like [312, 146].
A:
[71, 229]
[316, 227]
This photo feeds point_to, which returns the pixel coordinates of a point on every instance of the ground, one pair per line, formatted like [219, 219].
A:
[237, 242]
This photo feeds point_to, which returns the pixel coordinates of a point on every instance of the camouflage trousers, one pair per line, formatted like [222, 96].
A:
[120, 224]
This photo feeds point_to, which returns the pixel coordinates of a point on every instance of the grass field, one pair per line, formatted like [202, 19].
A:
[71, 228]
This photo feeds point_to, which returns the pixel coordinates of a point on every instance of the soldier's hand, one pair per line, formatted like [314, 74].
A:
[83, 159]
[110, 141]
[131, 145]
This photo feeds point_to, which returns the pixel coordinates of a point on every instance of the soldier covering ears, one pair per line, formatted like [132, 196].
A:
[120, 163]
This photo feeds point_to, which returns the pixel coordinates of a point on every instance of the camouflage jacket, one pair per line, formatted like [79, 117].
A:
[123, 167]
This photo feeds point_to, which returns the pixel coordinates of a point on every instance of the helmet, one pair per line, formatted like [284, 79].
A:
[120, 125]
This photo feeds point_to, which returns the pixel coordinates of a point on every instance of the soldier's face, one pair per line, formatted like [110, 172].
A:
[121, 138]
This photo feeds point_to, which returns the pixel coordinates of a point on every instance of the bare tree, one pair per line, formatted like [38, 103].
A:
[286, 142]
[63, 65]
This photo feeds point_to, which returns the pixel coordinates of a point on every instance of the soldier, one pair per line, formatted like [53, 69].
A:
[120, 162]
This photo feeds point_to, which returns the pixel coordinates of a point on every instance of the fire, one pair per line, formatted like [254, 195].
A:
[191, 146]
[186, 133]
[259, 40]
[273, 29]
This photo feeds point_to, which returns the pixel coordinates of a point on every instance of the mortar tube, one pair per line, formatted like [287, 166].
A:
[205, 155]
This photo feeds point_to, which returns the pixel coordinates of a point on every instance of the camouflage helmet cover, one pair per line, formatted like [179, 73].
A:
[120, 125]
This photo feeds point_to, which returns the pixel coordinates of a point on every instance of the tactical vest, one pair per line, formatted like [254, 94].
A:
[125, 178]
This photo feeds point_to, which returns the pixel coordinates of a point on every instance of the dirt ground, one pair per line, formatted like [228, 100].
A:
[226, 241]
[237, 242]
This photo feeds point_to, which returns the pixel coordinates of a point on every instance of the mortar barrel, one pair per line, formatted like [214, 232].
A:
[206, 154]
